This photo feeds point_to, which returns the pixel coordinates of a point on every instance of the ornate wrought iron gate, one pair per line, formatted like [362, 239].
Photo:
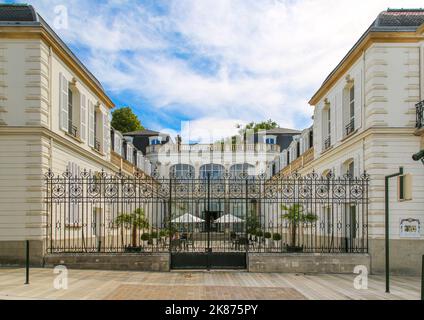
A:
[206, 223]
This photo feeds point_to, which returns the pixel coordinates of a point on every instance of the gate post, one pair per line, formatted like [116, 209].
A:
[170, 235]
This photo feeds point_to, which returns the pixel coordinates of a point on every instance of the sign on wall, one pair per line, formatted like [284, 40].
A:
[410, 228]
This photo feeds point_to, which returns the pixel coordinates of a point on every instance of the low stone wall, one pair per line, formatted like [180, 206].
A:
[13, 253]
[157, 262]
[306, 263]
[405, 256]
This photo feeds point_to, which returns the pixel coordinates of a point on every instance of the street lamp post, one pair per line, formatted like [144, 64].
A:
[387, 226]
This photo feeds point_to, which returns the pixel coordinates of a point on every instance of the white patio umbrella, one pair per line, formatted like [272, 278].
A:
[229, 218]
[187, 218]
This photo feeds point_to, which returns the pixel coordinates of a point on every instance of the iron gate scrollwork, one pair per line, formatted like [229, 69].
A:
[226, 215]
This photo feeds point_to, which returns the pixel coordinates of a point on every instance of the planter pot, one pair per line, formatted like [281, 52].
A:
[133, 249]
[267, 242]
[277, 244]
[155, 242]
[253, 237]
[293, 249]
[146, 243]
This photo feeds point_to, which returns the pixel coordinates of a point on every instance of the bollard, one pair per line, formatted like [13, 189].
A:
[27, 262]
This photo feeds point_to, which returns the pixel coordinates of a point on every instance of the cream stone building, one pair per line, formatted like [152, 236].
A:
[54, 114]
[365, 119]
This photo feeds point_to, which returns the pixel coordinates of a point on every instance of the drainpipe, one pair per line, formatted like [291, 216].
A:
[387, 227]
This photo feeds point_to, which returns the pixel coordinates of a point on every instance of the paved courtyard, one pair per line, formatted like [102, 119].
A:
[118, 285]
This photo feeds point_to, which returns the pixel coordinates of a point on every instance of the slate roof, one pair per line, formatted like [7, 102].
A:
[280, 131]
[17, 13]
[25, 15]
[398, 20]
[148, 133]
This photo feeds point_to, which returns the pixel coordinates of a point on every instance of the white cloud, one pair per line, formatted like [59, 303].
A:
[268, 56]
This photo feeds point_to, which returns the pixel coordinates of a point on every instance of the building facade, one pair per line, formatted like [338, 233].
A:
[367, 118]
[251, 153]
[54, 114]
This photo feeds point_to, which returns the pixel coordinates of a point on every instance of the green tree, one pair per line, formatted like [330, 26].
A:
[125, 120]
[135, 220]
[264, 125]
[297, 214]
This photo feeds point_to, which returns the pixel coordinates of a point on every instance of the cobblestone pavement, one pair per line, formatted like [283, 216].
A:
[118, 285]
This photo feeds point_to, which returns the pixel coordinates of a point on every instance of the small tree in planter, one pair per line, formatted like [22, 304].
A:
[260, 235]
[145, 237]
[136, 221]
[268, 237]
[252, 225]
[154, 238]
[163, 235]
[277, 239]
[296, 214]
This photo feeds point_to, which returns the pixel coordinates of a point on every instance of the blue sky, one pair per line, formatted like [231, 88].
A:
[215, 63]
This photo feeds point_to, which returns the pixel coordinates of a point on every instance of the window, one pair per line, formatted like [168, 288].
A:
[155, 141]
[270, 141]
[288, 157]
[349, 109]
[238, 169]
[96, 131]
[215, 171]
[117, 145]
[182, 171]
[348, 168]
[351, 169]
[298, 149]
[326, 120]
[71, 128]
[311, 139]
[72, 109]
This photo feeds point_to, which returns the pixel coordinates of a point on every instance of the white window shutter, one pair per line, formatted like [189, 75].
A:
[91, 124]
[358, 101]
[63, 102]
[83, 134]
[117, 144]
[106, 134]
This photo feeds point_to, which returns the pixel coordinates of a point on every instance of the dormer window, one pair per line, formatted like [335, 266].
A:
[155, 141]
[270, 140]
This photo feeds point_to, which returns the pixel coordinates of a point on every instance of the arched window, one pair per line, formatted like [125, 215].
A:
[349, 167]
[237, 170]
[182, 171]
[215, 171]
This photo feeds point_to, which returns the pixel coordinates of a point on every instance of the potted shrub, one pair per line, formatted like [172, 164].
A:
[154, 237]
[259, 235]
[268, 237]
[276, 237]
[145, 237]
[134, 221]
[163, 235]
[296, 214]
[252, 225]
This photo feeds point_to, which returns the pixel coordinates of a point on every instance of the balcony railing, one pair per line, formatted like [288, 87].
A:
[350, 127]
[420, 115]
[327, 143]
[72, 130]
[259, 147]
[97, 145]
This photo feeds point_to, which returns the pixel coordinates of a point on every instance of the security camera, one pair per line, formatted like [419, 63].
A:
[419, 156]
